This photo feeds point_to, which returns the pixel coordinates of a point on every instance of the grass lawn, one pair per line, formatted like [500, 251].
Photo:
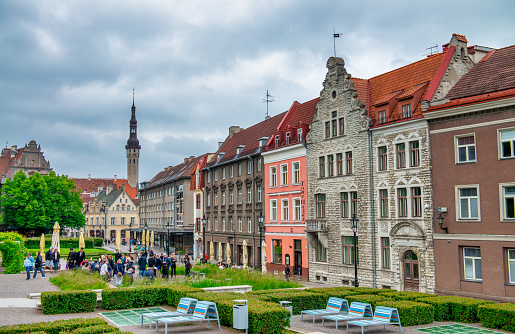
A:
[65, 251]
[78, 280]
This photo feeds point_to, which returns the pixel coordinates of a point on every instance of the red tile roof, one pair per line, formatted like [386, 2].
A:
[493, 74]
[470, 100]
[6, 162]
[181, 171]
[248, 137]
[89, 185]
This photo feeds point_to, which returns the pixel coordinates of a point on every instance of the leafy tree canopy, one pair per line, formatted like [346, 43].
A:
[37, 202]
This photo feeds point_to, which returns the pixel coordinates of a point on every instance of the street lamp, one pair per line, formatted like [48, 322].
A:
[130, 237]
[440, 220]
[354, 225]
[146, 237]
[168, 238]
[105, 209]
[261, 228]
[204, 222]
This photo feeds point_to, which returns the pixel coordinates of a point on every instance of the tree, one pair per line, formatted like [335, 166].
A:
[36, 202]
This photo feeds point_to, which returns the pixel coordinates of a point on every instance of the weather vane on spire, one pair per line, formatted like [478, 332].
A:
[335, 36]
[268, 99]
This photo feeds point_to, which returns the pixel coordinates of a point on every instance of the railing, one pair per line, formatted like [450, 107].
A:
[316, 225]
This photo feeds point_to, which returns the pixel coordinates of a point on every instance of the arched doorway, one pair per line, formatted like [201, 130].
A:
[411, 271]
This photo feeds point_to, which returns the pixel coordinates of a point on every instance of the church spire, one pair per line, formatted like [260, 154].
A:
[133, 141]
[132, 148]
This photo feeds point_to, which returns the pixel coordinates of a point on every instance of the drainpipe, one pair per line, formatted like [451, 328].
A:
[371, 166]
[307, 242]
[253, 216]
[211, 211]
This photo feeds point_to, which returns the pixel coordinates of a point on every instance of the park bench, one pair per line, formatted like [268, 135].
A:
[203, 311]
[382, 316]
[357, 311]
[185, 307]
[334, 306]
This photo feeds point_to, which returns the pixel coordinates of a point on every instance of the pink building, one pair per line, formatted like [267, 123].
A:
[285, 191]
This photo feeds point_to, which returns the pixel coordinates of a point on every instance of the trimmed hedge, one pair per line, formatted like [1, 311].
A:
[405, 295]
[13, 252]
[177, 291]
[33, 243]
[303, 300]
[56, 302]
[98, 329]
[498, 316]
[54, 327]
[411, 313]
[373, 300]
[452, 308]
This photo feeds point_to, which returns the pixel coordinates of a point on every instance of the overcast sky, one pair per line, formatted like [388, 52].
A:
[67, 68]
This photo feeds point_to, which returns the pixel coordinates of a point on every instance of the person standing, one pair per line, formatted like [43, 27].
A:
[71, 259]
[80, 257]
[173, 266]
[142, 263]
[104, 270]
[56, 257]
[152, 263]
[110, 263]
[28, 263]
[48, 259]
[187, 265]
[118, 272]
[166, 265]
[117, 256]
[159, 262]
[38, 265]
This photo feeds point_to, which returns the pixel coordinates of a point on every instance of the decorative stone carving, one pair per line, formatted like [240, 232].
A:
[384, 227]
[366, 122]
[335, 61]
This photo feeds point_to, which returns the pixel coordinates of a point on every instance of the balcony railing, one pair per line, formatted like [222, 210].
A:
[316, 225]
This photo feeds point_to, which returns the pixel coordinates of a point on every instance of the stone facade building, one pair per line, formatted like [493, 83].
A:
[28, 159]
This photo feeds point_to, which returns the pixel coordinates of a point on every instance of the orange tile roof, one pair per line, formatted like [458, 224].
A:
[6, 162]
[89, 185]
[180, 171]
[461, 38]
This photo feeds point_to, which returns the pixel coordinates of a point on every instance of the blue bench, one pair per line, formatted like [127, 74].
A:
[203, 311]
[382, 316]
[185, 307]
[357, 311]
[334, 306]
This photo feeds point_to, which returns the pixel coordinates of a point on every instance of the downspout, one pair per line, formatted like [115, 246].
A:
[371, 166]
[164, 218]
[253, 216]
[211, 210]
[307, 192]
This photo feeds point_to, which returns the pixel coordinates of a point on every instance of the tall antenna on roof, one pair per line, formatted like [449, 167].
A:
[431, 52]
[335, 36]
[268, 99]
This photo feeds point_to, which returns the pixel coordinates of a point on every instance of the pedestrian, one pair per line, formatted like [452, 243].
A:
[166, 265]
[104, 270]
[159, 262]
[173, 266]
[56, 257]
[187, 265]
[287, 272]
[71, 259]
[117, 256]
[118, 272]
[95, 267]
[142, 263]
[28, 264]
[110, 263]
[152, 263]
[150, 274]
[48, 259]
[80, 257]
[38, 265]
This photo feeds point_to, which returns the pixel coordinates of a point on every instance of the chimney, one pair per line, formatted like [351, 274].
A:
[234, 130]
[100, 188]
[13, 151]
[89, 177]
[109, 188]
[115, 177]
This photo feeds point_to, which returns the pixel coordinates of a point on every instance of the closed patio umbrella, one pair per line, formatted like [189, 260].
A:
[245, 256]
[42, 243]
[212, 251]
[263, 257]
[82, 244]
[118, 239]
[220, 253]
[228, 253]
[55, 237]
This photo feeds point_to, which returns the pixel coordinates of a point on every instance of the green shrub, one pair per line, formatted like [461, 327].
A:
[411, 313]
[13, 252]
[459, 309]
[369, 299]
[142, 296]
[55, 327]
[78, 280]
[177, 291]
[441, 306]
[405, 295]
[64, 242]
[56, 302]
[498, 316]
[301, 300]
[98, 329]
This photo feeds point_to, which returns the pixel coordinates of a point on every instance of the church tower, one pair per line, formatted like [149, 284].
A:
[132, 148]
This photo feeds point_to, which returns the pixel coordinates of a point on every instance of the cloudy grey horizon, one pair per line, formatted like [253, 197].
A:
[198, 67]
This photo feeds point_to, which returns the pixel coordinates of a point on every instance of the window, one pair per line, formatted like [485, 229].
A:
[223, 173]
[231, 196]
[239, 169]
[284, 174]
[334, 124]
[216, 224]
[414, 147]
[249, 194]
[385, 252]
[259, 193]
[240, 196]
[339, 163]
[383, 158]
[296, 209]
[348, 250]
[320, 205]
[215, 198]
[344, 204]
[122, 220]
[287, 138]
[406, 111]
[296, 172]
[273, 176]
[466, 149]
[382, 116]
[113, 220]
[299, 135]
[198, 201]
[216, 175]
[321, 252]
[321, 166]
[231, 172]
[273, 209]
[249, 167]
[330, 164]
[508, 193]
[133, 220]
[277, 246]
[353, 202]
[223, 197]
[249, 224]
[103, 221]
[277, 141]
[468, 202]
[403, 202]
[507, 138]
[401, 155]
[341, 126]
[208, 199]
[511, 265]
[327, 129]
[348, 162]
[383, 202]
[240, 224]
[285, 210]
[223, 223]
[472, 262]
[416, 202]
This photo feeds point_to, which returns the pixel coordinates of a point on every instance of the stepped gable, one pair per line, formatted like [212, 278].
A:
[494, 73]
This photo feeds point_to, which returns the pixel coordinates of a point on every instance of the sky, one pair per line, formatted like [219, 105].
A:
[68, 68]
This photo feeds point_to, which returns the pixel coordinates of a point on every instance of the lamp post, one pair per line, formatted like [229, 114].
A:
[130, 237]
[261, 228]
[145, 237]
[204, 222]
[440, 220]
[105, 209]
[354, 225]
[168, 238]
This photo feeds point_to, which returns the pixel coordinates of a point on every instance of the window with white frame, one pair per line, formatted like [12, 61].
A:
[468, 203]
[384, 209]
[249, 167]
[285, 210]
[216, 224]
[507, 143]
[231, 172]
[348, 203]
[406, 111]
[402, 199]
[299, 134]
[249, 193]
[215, 198]
[273, 176]
[508, 205]
[414, 147]
[465, 149]
[223, 173]
[511, 266]
[239, 169]
[348, 163]
[277, 141]
[382, 153]
[258, 164]
[240, 224]
[472, 263]
[231, 196]
[259, 192]
[296, 209]
[240, 196]
[416, 202]
[287, 138]
[113, 220]
[296, 172]
[208, 178]
[249, 224]
[401, 155]
[216, 175]
[284, 174]
[273, 209]
[223, 197]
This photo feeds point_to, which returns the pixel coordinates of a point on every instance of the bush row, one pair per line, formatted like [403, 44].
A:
[411, 313]
[12, 250]
[55, 302]
[33, 243]
[498, 316]
[453, 308]
[55, 327]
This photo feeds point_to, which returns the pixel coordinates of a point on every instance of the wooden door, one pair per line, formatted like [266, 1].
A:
[411, 271]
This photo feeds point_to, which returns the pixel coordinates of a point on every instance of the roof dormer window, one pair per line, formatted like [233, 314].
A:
[220, 155]
[262, 141]
[382, 116]
[277, 141]
[239, 149]
[406, 111]
[287, 138]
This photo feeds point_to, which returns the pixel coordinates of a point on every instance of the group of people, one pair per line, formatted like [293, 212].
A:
[150, 264]
[108, 267]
